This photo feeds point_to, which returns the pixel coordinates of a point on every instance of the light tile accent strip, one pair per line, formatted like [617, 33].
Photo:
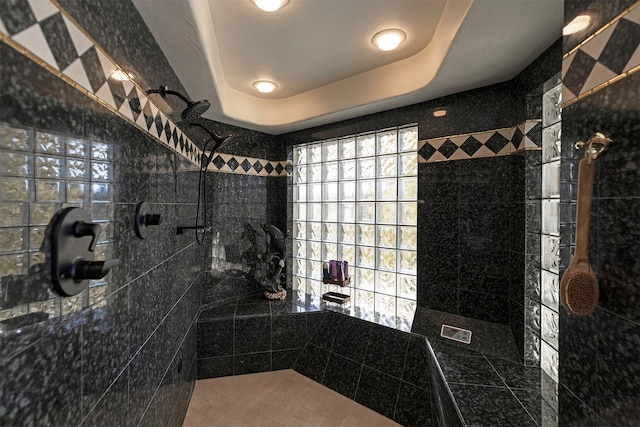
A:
[611, 54]
[43, 32]
[490, 143]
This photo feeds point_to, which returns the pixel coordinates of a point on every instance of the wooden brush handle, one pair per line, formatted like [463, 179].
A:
[586, 171]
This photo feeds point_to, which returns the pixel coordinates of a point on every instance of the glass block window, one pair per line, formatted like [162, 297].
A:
[550, 231]
[355, 199]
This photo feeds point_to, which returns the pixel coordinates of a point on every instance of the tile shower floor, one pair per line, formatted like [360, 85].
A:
[278, 398]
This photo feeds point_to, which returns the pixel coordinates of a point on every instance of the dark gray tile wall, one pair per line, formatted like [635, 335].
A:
[251, 335]
[383, 369]
[599, 370]
[122, 352]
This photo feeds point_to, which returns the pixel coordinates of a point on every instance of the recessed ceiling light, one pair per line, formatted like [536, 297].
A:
[265, 86]
[440, 113]
[270, 5]
[579, 23]
[388, 39]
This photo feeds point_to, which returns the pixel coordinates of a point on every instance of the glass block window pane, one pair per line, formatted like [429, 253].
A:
[366, 212]
[347, 212]
[329, 212]
[330, 150]
[367, 190]
[551, 216]
[347, 148]
[331, 171]
[315, 153]
[348, 170]
[314, 192]
[365, 256]
[387, 142]
[300, 193]
[407, 164]
[314, 212]
[408, 139]
[355, 199]
[407, 287]
[367, 168]
[366, 234]
[365, 279]
[347, 190]
[347, 233]
[315, 173]
[330, 232]
[385, 282]
[387, 189]
[313, 230]
[347, 252]
[313, 250]
[550, 253]
[300, 249]
[300, 212]
[329, 251]
[387, 236]
[300, 174]
[366, 145]
[408, 213]
[387, 212]
[387, 259]
[300, 155]
[330, 192]
[387, 166]
[407, 237]
[551, 180]
[407, 188]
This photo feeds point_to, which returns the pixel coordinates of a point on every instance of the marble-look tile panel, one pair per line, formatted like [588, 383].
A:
[490, 406]
[413, 407]
[377, 391]
[386, 350]
[342, 375]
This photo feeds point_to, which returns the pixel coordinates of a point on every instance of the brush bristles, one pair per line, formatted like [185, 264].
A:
[580, 295]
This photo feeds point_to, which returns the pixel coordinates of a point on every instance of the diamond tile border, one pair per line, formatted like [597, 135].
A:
[490, 143]
[597, 62]
[89, 69]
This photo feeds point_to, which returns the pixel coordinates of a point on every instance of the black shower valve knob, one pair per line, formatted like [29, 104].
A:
[92, 270]
[143, 219]
[82, 229]
[152, 219]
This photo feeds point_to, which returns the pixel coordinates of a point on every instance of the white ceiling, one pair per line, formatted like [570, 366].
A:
[320, 54]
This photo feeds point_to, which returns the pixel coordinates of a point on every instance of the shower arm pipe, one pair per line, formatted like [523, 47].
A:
[164, 90]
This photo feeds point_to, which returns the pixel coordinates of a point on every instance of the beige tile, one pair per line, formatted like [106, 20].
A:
[274, 399]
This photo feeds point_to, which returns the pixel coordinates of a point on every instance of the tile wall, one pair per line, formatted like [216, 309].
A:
[123, 351]
[476, 165]
[599, 371]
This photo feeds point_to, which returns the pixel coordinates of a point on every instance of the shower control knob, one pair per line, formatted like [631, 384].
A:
[81, 229]
[152, 219]
[144, 219]
[91, 270]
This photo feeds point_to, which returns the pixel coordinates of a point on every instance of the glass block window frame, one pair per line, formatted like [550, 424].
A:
[550, 230]
[355, 199]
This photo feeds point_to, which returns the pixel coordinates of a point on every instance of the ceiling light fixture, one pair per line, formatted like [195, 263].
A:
[270, 5]
[579, 23]
[265, 86]
[389, 39]
[440, 113]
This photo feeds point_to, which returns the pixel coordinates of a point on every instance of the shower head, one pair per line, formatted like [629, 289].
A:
[219, 140]
[194, 108]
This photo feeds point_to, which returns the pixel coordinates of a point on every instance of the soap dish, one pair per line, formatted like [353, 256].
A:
[336, 297]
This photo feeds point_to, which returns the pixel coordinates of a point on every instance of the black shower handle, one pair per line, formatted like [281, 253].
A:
[81, 229]
[83, 270]
[152, 219]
